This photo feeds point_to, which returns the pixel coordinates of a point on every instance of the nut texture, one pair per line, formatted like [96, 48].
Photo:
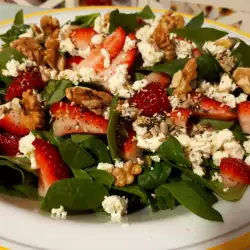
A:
[242, 78]
[49, 24]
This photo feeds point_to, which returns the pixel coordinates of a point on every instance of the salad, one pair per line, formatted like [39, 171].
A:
[118, 112]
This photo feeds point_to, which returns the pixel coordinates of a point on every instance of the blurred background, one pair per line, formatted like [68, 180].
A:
[231, 12]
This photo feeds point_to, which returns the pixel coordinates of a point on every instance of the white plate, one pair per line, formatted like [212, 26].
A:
[22, 226]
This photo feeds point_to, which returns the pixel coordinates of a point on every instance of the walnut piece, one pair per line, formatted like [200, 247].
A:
[227, 43]
[32, 115]
[49, 24]
[29, 47]
[126, 175]
[39, 35]
[182, 79]
[242, 78]
[89, 98]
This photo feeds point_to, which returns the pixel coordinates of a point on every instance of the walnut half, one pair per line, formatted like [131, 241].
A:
[242, 77]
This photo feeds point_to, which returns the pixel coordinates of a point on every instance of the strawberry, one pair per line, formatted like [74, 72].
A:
[12, 124]
[130, 151]
[206, 107]
[234, 172]
[180, 116]
[196, 53]
[152, 99]
[73, 60]
[73, 119]
[243, 111]
[52, 168]
[162, 78]
[9, 144]
[26, 80]
[81, 37]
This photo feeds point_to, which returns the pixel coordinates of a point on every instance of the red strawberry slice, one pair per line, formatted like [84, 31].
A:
[152, 99]
[12, 124]
[234, 172]
[206, 107]
[52, 168]
[162, 78]
[243, 111]
[73, 119]
[130, 151]
[9, 144]
[81, 37]
[74, 60]
[26, 80]
[180, 116]
[196, 53]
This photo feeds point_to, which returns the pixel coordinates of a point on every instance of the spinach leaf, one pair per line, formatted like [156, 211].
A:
[19, 18]
[196, 22]
[127, 21]
[49, 136]
[200, 35]
[10, 191]
[154, 178]
[111, 133]
[27, 190]
[216, 124]
[209, 164]
[85, 21]
[97, 148]
[139, 76]
[6, 80]
[238, 133]
[136, 190]
[55, 90]
[146, 13]
[78, 138]
[102, 176]
[186, 194]
[76, 157]
[243, 50]
[170, 67]
[9, 53]
[5, 163]
[165, 200]
[173, 151]
[75, 195]
[79, 173]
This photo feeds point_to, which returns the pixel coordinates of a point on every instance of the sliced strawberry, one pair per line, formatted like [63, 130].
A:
[234, 172]
[162, 78]
[196, 53]
[9, 144]
[152, 99]
[180, 116]
[73, 60]
[52, 168]
[130, 150]
[26, 80]
[206, 107]
[12, 124]
[73, 119]
[243, 111]
[81, 37]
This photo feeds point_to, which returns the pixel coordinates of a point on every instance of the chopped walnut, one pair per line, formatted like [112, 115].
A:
[32, 115]
[49, 24]
[126, 175]
[226, 61]
[227, 43]
[242, 78]
[39, 35]
[89, 98]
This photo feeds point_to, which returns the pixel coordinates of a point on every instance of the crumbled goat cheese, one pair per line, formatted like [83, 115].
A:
[105, 166]
[129, 44]
[216, 177]
[119, 164]
[183, 139]
[115, 205]
[100, 25]
[14, 104]
[97, 39]
[106, 113]
[226, 84]
[28, 33]
[128, 111]
[27, 149]
[222, 137]
[59, 213]
[247, 160]
[140, 161]
[184, 49]
[246, 145]
[218, 156]
[174, 101]
[65, 30]
[213, 48]
[241, 98]
[234, 149]
[196, 160]
[140, 84]
[66, 45]
[106, 56]
[84, 52]
[155, 158]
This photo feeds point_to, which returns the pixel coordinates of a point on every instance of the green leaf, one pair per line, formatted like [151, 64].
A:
[216, 124]
[186, 194]
[10, 191]
[98, 149]
[127, 21]
[146, 13]
[27, 190]
[136, 190]
[111, 133]
[165, 200]
[76, 157]
[200, 35]
[7, 54]
[79, 173]
[238, 133]
[208, 163]
[139, 76]
[6, 80]
[79, 138]
[55, 90]
[75, 195]
[196, 22]
[244, 51]
[85, 21]
[102, 176]
[154, 178]
[173, 151]
[5, 163]
[49, 136]
[170, 67]
[19, 18]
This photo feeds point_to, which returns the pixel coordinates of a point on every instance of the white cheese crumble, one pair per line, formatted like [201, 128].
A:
[105, 166]
[119, 163]
[28, 33]
[155, 158]
[213, 48]
[246, 145]
[115, 205]
[6, 107]
[58, 213]
[183, 48]
[97, 39]
[140, 84]
[84, 52]
[100, 25]
[174, 101]
[106, 113]
[247, 160]
[216, 177]
[106, 56]
[27, 149]
[129, 44]
[66, 45]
